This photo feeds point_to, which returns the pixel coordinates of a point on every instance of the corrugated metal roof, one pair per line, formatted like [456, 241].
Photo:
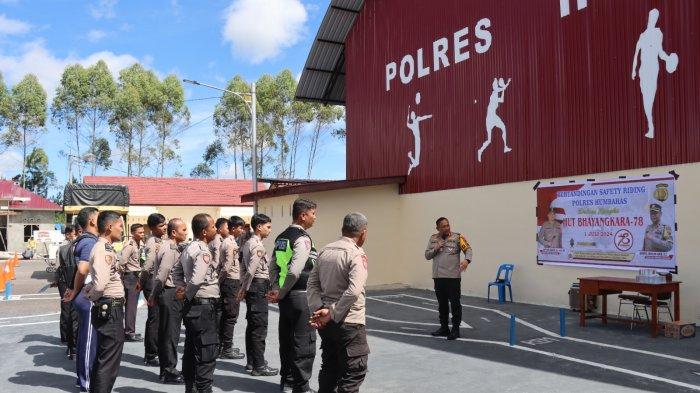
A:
[23, 199]
[323, 78]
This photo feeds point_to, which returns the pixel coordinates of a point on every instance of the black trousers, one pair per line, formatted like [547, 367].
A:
[132, 300]
[448, 292]
[344, 355]
[201, 345]
[150, 340]
[229, 311]
[256, 331]
[297, 341]
[68, 323]
[170, 321]
[110, 342]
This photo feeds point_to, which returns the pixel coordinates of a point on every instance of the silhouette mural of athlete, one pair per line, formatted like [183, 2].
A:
[413, 124]
[649, 50]
[492, 119]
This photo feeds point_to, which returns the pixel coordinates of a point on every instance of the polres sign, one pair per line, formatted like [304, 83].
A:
[419, 66]
[459, 93]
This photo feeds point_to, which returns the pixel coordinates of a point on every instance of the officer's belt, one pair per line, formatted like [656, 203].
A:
[201, 301]
[117, 301]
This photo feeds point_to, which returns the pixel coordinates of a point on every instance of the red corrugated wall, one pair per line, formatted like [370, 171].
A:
[572, 107]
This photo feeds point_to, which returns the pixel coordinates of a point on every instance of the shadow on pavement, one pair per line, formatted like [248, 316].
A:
[44, 379]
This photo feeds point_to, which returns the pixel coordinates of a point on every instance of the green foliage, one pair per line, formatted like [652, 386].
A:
[38, 178]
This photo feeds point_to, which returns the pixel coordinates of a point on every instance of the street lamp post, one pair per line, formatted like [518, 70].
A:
[253, 125]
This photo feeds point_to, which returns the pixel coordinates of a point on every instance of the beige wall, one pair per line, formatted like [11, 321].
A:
[499, 222]
[186, 213]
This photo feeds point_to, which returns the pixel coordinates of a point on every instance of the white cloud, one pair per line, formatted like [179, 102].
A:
[10, 164]
[96, 35]
[12, 26]
[35, 59]
[104, 9]
[259, 30]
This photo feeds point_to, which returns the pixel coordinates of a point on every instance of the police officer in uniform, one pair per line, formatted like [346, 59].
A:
[230, 284]
[292, 261]
[550, 233]
[201, 299]
[336, 296]
[169, 307]
[106, 291]
[657, 236]
[445, 248]
[156, 223]
[255, 282]
[130, 262]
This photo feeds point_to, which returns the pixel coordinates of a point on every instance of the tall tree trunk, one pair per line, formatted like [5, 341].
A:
[24, 155]
[235, 164]
[243, 162]
[312, 152]
[293, 149]
[139, 162]
[130, 151]
[77, 148]
[92, 142]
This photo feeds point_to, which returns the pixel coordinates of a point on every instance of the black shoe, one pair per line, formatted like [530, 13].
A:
[249, 367]
[151, 362]
[173, 379]
[454, 334]
[133, 338]
[230, 353]
[286, 387]
[264, 371]
[442, 332]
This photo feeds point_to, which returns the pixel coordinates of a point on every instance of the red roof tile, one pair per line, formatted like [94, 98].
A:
[180, 191]
[23, 199]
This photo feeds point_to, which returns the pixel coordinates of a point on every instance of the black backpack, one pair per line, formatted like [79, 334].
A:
[71, 263]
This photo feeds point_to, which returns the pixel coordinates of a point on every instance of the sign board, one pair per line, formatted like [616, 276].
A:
[626, 223]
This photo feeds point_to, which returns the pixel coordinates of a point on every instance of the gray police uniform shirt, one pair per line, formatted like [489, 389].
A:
[104, 272]
[166, 259]
[152, 245]
[658, 237]
[301, 249]
[129, 257]
[446, 259]
[230, 266]
[200, 271]
[550, 235]
[338, 281]
[255, 263]
[215, 247]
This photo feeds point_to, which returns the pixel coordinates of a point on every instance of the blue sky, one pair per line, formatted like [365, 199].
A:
[210, 41]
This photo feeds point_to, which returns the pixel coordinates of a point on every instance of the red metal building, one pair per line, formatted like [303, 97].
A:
[572, 106]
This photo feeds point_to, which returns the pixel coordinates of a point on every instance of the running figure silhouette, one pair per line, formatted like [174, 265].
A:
[650, 50]
[492, 119]
[413, 124]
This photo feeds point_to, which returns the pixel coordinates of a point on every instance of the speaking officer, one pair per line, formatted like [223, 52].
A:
[230, 284]
[291, 265]
[156, 223]
[255, 282]
[130, 261]
[201, 297]
[169, 306]
[106, 291]
[336, 295]
[445, 248]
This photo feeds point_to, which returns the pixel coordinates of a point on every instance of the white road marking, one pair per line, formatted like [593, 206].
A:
[407, 322]
[557, 356]
[552, 334]
[464, 324]
[30, 316]
[29, 323]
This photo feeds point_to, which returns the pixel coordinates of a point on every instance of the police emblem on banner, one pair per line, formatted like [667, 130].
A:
[661, 192]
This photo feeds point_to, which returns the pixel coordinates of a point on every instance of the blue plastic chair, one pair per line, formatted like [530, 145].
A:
[502, 282]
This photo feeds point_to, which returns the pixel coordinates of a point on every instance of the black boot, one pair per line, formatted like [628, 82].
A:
[443, 331]
[454, 333]
[231, 353]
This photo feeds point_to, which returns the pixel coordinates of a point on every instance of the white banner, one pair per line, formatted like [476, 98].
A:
[625, 223]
